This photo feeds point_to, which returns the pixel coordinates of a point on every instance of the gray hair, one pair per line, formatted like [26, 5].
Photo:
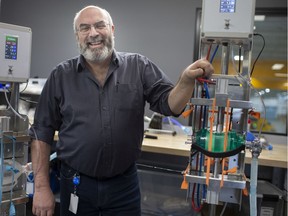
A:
[91, 6]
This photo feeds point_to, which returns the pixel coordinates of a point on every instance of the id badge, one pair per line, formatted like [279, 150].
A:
[73, 203]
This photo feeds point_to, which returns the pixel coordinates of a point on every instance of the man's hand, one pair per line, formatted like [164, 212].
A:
[43, 202]
[43, 199]
[200, 68]
[182, 92]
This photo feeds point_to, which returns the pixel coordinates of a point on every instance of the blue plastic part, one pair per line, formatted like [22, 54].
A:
[12, 210]
[10, 168]
[76, 180]
[250, 136]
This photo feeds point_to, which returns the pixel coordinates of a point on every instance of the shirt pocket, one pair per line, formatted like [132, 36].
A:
[127, 97]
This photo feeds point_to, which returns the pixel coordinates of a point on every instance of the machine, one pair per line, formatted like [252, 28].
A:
[15, 57]
[221, 107]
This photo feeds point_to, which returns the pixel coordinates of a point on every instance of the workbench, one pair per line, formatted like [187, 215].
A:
[172, 152]
[175, 145]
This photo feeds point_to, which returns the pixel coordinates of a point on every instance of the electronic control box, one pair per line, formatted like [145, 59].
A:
[15, 53]
[227, 19]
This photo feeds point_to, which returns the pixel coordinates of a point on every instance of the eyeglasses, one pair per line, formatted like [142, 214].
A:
[98, 26]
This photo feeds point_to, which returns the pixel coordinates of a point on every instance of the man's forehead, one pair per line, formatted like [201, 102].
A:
[92, 13]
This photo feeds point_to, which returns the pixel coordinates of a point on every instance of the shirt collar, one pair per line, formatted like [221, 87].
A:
[81, 61]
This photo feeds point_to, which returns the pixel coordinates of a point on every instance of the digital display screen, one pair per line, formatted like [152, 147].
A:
[227, 6]
[11, 46]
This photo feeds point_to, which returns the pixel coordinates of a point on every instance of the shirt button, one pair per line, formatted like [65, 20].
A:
[104, 108]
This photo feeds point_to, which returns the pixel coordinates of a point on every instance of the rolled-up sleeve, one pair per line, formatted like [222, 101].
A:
[47, 116]
[157, 87]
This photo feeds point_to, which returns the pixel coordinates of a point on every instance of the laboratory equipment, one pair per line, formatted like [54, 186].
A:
[15, 59]
[215, 172]
[15, 55]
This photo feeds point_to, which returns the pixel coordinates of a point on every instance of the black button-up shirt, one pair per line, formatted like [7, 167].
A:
[100, 128]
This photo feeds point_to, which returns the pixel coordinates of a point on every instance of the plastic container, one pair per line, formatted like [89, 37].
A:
[234, 140]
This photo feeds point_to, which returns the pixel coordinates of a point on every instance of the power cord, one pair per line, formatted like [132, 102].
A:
[263, 46]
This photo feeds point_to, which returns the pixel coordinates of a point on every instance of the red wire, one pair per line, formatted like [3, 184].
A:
[201, 80]
[197, 209]
[208, 53]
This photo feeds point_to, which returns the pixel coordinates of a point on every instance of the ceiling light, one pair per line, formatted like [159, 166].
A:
[236, 58]
[259, 17]
[277, 66]
[281, 74]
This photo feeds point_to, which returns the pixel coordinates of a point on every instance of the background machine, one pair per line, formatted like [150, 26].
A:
[221, 107]
[15, 57]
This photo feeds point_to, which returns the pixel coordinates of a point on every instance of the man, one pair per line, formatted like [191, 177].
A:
[96, 101]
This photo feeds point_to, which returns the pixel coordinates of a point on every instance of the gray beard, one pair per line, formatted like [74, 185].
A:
[97, 55]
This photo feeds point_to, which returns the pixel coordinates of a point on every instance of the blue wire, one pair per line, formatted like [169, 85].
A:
[204, 120]
[198, 185]
[201, 155]
[214, 53]
[198, 196]
[205, 108]
[207, 90]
